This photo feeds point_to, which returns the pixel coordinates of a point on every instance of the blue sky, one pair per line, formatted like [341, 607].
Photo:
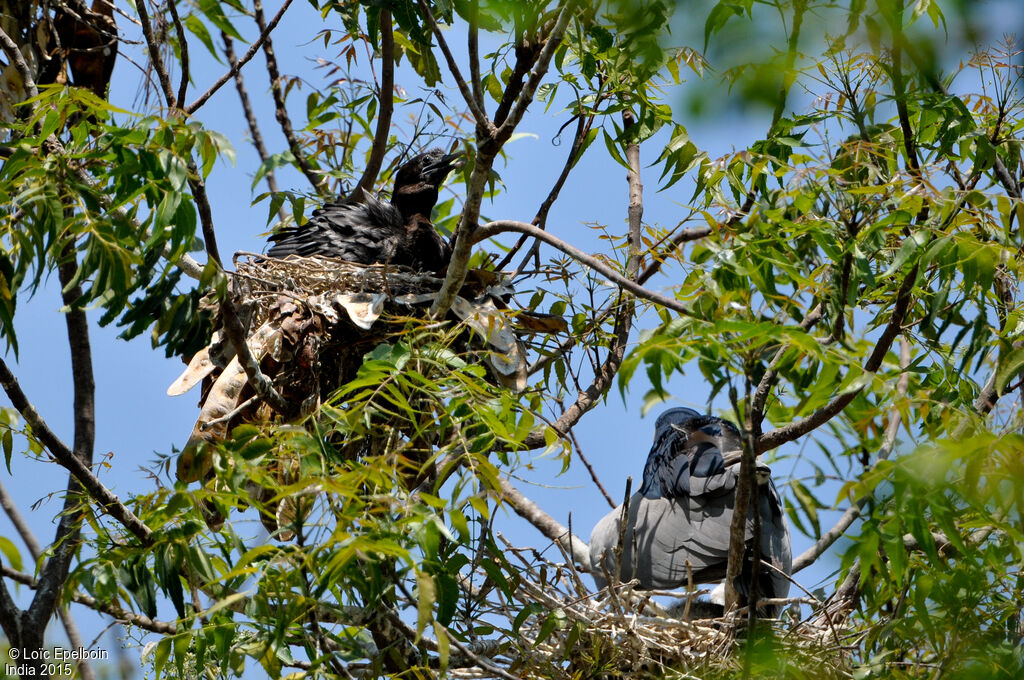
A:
[137, 420]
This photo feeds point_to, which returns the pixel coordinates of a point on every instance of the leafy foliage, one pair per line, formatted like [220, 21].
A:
[850, 280]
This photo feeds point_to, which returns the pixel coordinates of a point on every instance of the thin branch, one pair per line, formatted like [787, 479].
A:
[479, 115]
[678, 239]
[280, 109]
[809, 556]
[60, 451]
[118, 613]
[605, 373]
[386, 97]
[250, 117]
[583, 125]
[236, 67]
[473, 47]
[781, 435]
[153, 45]
[202, 201]
[29, 539]
[546, 524]
[771, 374]
[590, 470]
[500, 226]
[183, 46]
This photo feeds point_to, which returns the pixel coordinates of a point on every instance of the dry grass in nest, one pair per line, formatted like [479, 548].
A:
[623, 632]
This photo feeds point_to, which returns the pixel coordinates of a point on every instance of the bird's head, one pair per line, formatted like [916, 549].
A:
[428, 168]
[418, 180]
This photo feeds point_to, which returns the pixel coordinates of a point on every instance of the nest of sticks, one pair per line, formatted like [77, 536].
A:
[624, 632]
[309, 321]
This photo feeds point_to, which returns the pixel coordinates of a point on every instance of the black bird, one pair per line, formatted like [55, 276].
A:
[377, 232]
[683, 512]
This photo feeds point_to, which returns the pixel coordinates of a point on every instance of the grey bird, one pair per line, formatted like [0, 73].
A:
[679, 521]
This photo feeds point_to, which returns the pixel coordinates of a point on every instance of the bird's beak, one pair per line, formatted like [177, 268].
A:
[440, 168]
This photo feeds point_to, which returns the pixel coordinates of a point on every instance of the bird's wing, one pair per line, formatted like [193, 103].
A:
[363, 233]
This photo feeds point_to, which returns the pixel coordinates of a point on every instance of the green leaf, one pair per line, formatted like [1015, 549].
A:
[8, 443]
[1010, 366]
[426, 595]
[10, 551]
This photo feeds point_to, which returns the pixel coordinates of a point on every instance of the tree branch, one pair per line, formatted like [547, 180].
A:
[768, 380]
[500, 226]
[678, 239]
[118, 613]
[479, 115]
[154, 53]
[237, 66]
[809, 556]
[473, 47]
[546, 524]
[183, 46]
[386, 96]
[280, 109]
[60, 451]
[74, 637]
[540, 68]
[65, 542]
[781, 435]
[250, 117]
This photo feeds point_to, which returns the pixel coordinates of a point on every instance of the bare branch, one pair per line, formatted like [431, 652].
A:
[473, 47]
[183, 46]
[583, 125]
[280, 109]
[546, 524]
[236, 67]
[781, 435]
[60, 451]
[479, 115]
[250, 117]
[499, 226]
[808, 557]
[386, 97]
[153, 45]
[590, 470]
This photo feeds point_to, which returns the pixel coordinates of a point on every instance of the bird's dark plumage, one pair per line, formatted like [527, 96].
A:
[683, 513]
[377, 232]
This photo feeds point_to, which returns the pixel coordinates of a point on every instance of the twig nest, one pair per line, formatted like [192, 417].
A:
[309, 321]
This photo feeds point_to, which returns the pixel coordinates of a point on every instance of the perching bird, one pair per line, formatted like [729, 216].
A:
[377, 232]
[683, 512]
